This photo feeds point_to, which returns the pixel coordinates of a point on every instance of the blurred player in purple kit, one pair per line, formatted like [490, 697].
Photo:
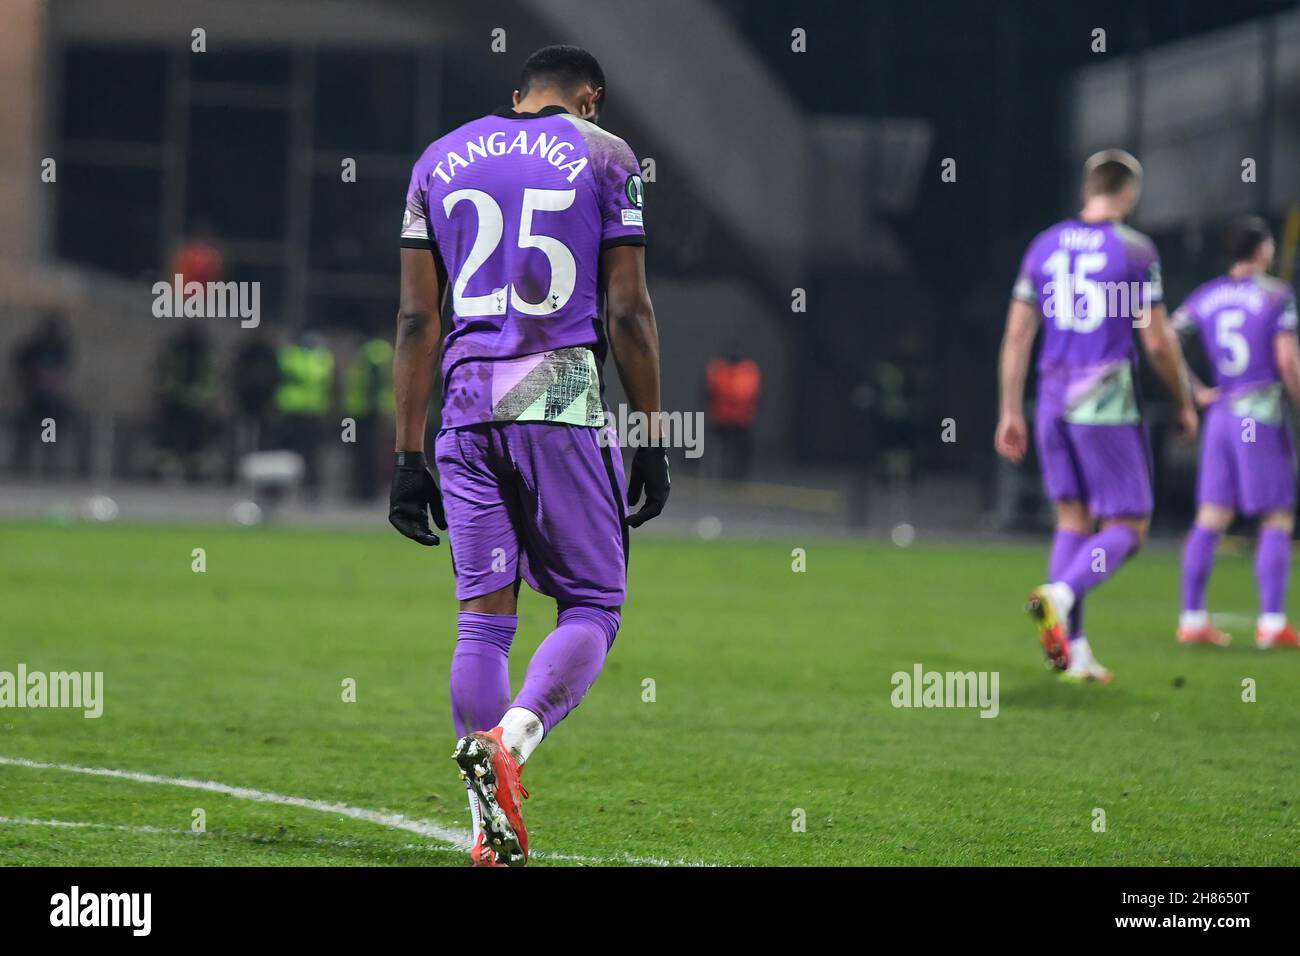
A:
[528, 218]
[1089, 281]
[1247, 323]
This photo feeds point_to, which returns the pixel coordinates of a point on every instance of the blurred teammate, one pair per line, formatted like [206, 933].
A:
[530, 214]
[1247, 323]
[1090, 280]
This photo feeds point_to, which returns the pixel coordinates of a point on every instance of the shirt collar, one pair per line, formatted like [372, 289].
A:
[510, 113]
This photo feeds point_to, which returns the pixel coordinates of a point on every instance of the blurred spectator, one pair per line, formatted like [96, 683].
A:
[187, 390]
[893, 390]
[733, 384]
[302, 399]
[41, 362]
[255, 377]
[368, 398]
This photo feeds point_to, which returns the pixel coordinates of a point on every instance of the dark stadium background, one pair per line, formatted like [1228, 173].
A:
[774, 171]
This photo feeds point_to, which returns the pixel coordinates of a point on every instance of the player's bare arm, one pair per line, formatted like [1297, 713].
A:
[634, 340]
[415, 360]
[415, 353]
[1160, 342]
[1203, 394]
[1012, 440]
[1286, 352]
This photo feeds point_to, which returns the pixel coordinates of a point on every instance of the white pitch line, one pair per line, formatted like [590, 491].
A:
[459, 839]
[210, 834]
[83, 825]
[394, 821]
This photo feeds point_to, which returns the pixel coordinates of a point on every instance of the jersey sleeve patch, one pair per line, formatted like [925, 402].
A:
[621, 193]
[415, 218]
[1024, 289]
[1155, 289]
[1286, 319]
[1145, 261]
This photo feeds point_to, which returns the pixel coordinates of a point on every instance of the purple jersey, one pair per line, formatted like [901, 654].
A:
[518, 207]
[1238, 320]
[1090, 282]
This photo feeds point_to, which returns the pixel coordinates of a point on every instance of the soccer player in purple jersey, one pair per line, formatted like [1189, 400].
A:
[1247, 323]
[527, 217]
[1090, 281]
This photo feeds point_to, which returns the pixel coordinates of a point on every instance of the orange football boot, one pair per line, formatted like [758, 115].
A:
[486, 763]
[1287, 637]
[481, 854]
[1056, 642]
[1206, 634]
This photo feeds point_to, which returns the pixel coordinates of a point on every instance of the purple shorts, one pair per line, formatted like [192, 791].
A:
[1107, 467]
[1251, 477]
[538, 501]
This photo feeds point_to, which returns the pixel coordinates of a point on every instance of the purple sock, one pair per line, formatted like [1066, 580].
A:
[1065, 546]
[480, 670]
[1272, 562]
[567, 662]
[1198, 561]
[1099, 557]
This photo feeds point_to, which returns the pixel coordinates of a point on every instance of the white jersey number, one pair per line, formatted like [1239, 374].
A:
[1066, 283]
[491, 227]
[1227, 335]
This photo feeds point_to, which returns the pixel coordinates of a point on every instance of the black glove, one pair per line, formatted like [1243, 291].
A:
[649, 472]
[414, 490]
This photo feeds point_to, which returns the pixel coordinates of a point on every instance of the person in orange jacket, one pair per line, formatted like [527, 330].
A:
[734, 384]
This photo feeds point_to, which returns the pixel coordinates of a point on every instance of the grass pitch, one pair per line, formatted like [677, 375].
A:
[771, 704]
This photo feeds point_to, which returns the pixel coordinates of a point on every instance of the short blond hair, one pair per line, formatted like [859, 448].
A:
[1111, 171]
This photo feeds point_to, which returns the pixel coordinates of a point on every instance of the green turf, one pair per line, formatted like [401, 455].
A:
[772, 696]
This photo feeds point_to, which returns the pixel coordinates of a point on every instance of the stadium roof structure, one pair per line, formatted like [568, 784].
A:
[1195, 111]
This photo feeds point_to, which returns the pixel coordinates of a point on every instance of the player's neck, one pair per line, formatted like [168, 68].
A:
[1243, 270]
[1100, 209]
[536, 102]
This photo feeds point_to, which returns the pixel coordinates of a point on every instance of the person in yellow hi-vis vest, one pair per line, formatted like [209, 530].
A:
[302, 399]
[368, 401]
